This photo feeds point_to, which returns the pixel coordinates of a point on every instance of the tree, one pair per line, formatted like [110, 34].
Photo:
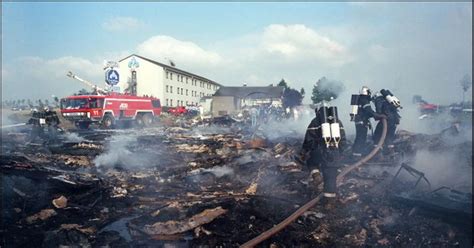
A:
[326, 90]
[466, 83]
[291, 98]
[283, 83]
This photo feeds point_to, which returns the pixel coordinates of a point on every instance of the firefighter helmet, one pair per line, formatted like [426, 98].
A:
[365, 91]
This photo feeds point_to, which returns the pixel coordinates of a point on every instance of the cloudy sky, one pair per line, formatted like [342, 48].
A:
[410, 48]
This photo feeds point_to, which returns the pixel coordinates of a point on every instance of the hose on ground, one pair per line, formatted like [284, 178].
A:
[275, 229]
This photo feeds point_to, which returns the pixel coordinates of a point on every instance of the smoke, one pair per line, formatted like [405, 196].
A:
[73, 137]
[291, 128]
[220, 171]
[445, 169]
[329, 89]
[119, 152]
[450, 164]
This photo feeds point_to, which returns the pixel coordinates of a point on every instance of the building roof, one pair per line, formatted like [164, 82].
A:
[251, 92]
[171, 68]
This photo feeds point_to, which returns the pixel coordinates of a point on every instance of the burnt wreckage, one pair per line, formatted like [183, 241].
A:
[218, 185]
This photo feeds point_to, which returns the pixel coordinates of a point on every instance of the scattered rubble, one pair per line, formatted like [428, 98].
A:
[60, 202]
[207, 186]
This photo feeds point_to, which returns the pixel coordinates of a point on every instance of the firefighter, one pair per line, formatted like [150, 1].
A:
[52, 121]
[361, 117]
[387, 104]
[324, 141]
[40, 120]
[37, 121]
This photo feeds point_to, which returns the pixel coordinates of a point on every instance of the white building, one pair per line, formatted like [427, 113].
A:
[174, 87]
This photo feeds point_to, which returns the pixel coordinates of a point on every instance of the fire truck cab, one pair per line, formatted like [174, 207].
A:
[109, 110]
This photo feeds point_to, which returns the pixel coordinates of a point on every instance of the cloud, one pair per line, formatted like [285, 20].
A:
[408, 52]
[39, 78]
[121, 23]
[300, 42]
[162, 47]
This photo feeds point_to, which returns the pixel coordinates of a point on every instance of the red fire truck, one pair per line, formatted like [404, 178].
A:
[109, 110]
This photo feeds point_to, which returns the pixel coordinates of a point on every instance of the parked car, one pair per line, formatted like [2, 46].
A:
[180, 110]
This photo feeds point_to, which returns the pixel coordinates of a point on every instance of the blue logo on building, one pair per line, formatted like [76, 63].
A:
[112, 77]
[133, 63]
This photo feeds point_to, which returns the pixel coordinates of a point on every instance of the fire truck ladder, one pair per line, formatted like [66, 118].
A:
[99, 90]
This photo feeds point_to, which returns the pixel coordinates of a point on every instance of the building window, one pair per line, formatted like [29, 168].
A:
[171, 76]
[166, 90]
[171, 90]
[167, 102]
[177, 89]
[171, 102]
[186, 79]
[166, 75]
[186, 91]
[181, 91]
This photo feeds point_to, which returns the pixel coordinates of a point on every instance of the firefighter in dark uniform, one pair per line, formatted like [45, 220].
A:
[52, 121]
[324, 141]
[387, 104]
[41, 119]
[37, 121]
[362, 120]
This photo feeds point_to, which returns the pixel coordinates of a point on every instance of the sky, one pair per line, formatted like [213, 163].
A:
[409, 48]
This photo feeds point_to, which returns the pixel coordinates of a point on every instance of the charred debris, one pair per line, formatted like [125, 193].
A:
[219, 184]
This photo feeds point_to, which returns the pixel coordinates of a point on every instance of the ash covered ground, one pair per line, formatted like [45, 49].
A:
[221, 185]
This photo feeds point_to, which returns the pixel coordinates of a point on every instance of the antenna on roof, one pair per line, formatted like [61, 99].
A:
[245, 84]
[171, 62]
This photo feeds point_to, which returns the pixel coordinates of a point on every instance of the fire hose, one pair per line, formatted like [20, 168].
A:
[275, 229]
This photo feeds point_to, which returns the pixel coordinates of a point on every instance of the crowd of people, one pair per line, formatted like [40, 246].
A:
[261, 114]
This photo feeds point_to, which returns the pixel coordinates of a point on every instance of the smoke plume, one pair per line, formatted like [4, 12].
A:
[120, 152]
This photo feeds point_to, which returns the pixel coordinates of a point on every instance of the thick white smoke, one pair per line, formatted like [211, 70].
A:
[119, 153]
[445, 169]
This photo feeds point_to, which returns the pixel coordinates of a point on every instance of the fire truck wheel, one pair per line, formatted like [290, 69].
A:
[139, 121]
[147, 119]
[83, 125]
[108, 121]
